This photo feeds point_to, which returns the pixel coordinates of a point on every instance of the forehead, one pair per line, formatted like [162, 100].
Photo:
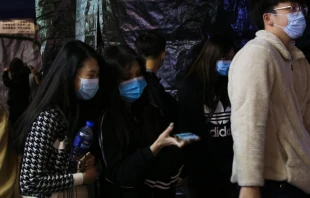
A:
[90, 64]
[135, 66]
[284, 4]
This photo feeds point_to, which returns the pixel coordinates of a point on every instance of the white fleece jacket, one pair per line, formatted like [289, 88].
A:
[269, 89]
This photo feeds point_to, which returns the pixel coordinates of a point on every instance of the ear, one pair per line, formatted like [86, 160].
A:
[268, 19]
[162, 56]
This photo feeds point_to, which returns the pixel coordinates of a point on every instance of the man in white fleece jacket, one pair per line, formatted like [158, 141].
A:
[269, 89]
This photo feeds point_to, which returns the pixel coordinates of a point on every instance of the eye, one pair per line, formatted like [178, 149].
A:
[126, 77]
[139, 73]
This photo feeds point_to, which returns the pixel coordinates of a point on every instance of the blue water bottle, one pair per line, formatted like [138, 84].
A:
[81, 144]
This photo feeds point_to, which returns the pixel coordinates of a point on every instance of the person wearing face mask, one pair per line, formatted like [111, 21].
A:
[141, 158]
[205, 111]
[45, 132]
[269, 90]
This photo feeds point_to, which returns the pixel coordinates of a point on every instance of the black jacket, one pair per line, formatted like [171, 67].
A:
[208, 161]
[168, 105]
[137, 173]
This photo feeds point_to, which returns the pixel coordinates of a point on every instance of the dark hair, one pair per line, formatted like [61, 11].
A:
[259, 7]
[120, 59]
[150, 44]
[16, 66]
[212, 84]
[57, 89]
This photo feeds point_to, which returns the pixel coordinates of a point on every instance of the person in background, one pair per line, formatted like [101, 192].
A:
[141, 159]
[151, 45]
[19, 89]
[46, 130]
[269, 90]
[34, 80]
[8, 159]
[36, 74]
[205, 111]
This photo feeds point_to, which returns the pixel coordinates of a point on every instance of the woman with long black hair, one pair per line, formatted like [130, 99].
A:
[142, 160]
[46, 130]
[205, 111]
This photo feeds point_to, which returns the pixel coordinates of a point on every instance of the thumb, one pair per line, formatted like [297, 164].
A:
[169, 129]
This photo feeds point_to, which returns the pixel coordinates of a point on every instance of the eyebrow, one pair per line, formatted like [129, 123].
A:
[93, 71]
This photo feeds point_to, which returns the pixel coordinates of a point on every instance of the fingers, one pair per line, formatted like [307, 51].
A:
[182, 143]
[89, 164]
[174, 141]
[169, 129]
[90, 158]
[90, 161]
[194, 140]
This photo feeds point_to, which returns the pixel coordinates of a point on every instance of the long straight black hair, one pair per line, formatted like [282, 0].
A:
[212, 84]
[57, 89]
[121, 59]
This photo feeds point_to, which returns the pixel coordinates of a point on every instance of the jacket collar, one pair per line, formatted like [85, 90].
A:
[289, 53]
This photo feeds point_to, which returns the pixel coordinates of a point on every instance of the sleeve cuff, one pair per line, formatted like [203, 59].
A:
[78, 179]
[147, 153]
[251, 182]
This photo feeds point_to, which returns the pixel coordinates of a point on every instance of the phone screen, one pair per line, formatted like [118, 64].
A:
[186, 136]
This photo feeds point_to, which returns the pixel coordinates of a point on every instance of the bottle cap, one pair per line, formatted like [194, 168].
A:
[90, 124]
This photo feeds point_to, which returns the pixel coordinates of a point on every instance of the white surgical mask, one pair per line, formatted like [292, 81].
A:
[89, 88]
[296, 24]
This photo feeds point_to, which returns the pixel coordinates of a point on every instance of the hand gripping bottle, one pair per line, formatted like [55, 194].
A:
[81, 144]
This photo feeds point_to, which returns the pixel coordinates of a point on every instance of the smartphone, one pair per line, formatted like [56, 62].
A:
[186, 136]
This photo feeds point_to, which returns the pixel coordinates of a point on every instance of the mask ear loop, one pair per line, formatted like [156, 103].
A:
[277, 15]
[221, 59]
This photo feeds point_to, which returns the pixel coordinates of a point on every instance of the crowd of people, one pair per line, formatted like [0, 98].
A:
[250, 110]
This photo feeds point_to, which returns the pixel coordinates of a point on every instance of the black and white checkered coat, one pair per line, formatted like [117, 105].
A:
[44, 167]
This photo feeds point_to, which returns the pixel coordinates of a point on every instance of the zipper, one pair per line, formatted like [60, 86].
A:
[160, 111]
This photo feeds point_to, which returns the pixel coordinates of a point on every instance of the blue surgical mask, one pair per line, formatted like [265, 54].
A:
[132, 90]
[89, 88]
[296, 24]
[222, 67]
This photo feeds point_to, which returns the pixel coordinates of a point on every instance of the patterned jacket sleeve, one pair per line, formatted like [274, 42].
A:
[38, 148]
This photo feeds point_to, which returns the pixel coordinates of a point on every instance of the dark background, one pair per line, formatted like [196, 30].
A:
[17, 9]
[186, 24]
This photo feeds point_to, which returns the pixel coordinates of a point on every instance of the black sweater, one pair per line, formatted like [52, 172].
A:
[209, 160]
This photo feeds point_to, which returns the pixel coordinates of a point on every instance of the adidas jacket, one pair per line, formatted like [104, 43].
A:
[269, 89]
